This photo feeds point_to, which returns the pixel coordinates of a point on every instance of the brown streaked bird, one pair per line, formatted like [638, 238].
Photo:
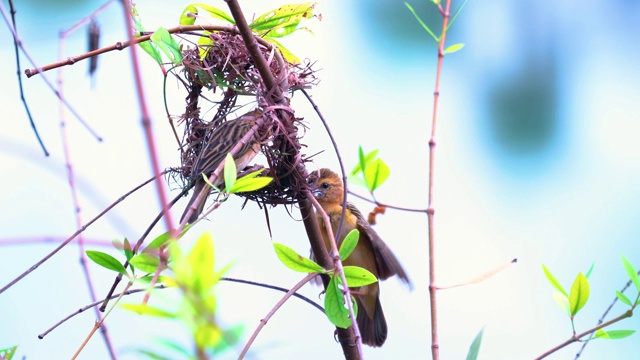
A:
[371, 253]
[220, 143]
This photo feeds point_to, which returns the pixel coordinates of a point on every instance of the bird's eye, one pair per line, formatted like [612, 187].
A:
[325, 185]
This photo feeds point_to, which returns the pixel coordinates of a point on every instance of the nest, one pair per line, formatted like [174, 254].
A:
[225, 73]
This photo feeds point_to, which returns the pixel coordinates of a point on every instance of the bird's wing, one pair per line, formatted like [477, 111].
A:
[386, 262]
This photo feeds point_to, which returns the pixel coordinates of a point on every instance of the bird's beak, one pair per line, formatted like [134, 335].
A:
[317, 193]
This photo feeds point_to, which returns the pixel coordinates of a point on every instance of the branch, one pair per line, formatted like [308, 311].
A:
[272, 312]
[577, 337]
[78, 232]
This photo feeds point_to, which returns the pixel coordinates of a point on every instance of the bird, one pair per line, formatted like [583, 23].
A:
[370, 253]
[221, 141]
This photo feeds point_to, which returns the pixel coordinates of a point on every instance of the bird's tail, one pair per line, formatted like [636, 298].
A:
[373, 329]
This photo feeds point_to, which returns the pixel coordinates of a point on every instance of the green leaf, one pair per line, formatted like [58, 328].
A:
[334, 305]
[246, 185]
[8, 353]
[201, 260]
[579, 294]
[288, 55]
[562, 300]
[231, 336]
[165, 237]
[424, 26]
[143, 309]
[283, 20]
[185, 19]
[622, 297]
[107, 261]
[357, 276]
[376, 174]
[295, 261]
[613, 334]
[128, 253]
[553, 281]
[251, 182]
[152, 50]
[453, 48]
[145, 262]
[212, 10]
[363, 160]
[474, 349]
[588, 274]
[230, 172]
[207, 335]
[206, 179]
[631, 272]
[349, 244]
[165, 42]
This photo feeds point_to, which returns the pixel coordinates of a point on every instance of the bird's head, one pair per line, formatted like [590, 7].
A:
[326, 186]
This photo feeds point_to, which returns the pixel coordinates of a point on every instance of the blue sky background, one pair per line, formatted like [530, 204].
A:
[537, 159]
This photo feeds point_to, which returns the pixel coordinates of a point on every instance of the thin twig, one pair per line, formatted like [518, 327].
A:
[601, 320]
[92, 305]
[99, 323]
[378, 203]
[278, 288]
[74, 235]
[272, 312]
[482, 277]
[46, 80]
[22, 98]
[146, 118]
[66, 145]
[577, 337]
[435, 346]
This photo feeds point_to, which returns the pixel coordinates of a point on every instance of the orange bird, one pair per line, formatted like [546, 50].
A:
[371, 253]
[223, 139]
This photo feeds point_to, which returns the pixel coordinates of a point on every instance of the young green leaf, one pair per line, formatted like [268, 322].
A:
[622, 297]
[230, 172]
[295, 261]
[357, 276]
[231, 336]
[424, 26]
[201, 261]
[349, 244]
[8, 353]
[283, 20]
[363, 161]
[107, 261]
[145, 262]
[588, 274]
[251, 182]
[376, 174]
[288, 55]
[334, 306]
[562, 300]
[631, 272]
[553, 281]
[212, 10]
[167, 44]
[142, 309]
[579, 294]
[128, 253]
[187, 17]
[474, 349]
[613, 334]
[207, 335]
[453, 48]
